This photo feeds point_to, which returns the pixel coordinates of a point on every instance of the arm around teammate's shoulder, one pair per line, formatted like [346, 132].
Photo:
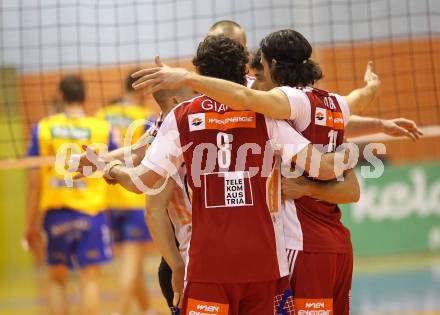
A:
[273, 103]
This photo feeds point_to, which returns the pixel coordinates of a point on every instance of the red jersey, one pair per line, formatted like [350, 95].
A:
[179, 207]
[237, 231]
[313, 225]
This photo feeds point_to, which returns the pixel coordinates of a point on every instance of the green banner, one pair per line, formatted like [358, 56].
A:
[398, 212]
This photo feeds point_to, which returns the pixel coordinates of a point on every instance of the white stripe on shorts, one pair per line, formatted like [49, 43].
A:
[291, 258]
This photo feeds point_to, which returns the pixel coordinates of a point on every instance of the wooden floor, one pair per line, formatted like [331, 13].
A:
[408, 285]
[25, 293]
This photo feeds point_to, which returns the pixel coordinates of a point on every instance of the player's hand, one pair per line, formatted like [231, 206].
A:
[33, 241]
[88, 163]
[294, 188]
[370, 77]
[177, 281]
[401, 127]
[159, 62]
[110, 181]
[158, 78]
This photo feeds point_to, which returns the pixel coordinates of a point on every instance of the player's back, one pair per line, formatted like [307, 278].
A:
[121, 116]
[236, 233]
[66, 133]
[322, 122]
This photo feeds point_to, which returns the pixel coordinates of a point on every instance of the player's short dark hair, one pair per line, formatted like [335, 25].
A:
[227, 27]
[256, 60]
[221, 57]
[292, 53]
[73, 89]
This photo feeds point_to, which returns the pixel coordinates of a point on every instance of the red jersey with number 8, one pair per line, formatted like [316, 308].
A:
[234, 175]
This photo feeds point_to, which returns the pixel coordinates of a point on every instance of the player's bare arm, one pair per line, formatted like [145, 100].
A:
[272, 103]
[131, 178]
[134, 152]
[337, 192]
[328, 166]
[359, 98]
[159, 224]
[33, 232]
[398, 127]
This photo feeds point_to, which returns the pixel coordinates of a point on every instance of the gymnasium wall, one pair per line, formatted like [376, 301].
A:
[409, 70]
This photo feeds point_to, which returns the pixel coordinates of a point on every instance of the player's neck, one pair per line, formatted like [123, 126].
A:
[166, 107]
[74, 109]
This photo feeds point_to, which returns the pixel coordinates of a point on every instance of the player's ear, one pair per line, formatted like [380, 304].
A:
[273, 62]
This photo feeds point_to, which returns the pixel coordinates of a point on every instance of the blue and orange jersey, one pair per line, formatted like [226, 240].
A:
[121, 116]
[59, 132]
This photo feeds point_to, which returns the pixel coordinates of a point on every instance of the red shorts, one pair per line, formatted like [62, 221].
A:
[321, 281]
[256, 298]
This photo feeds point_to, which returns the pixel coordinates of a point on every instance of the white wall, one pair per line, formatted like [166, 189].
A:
[51, 34]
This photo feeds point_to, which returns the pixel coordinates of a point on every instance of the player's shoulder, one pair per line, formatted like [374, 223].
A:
[118, 108]
[295, 90]
[341, 100]
[96, 122]
[53, 118]
[186, 105]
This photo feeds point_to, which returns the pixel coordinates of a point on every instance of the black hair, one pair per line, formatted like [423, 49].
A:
[73, 89]
[256, 61]
[221, 57]
[292, 53]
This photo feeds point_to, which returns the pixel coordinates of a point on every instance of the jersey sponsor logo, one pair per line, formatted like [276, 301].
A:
[55, 182]
[118, 120]
[237, 190]
[327, 118]
[320, 116]
[314, 306]
[230, 120]
[65, 228]
[65, 132]
[216, 121]
[338, 120]
[196, 121]
[197, 307]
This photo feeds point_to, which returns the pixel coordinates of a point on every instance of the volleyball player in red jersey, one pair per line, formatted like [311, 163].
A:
[286, 60]
[237, 262]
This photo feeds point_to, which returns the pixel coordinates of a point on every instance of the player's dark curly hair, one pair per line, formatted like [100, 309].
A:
[221, 57]
[292, 53]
